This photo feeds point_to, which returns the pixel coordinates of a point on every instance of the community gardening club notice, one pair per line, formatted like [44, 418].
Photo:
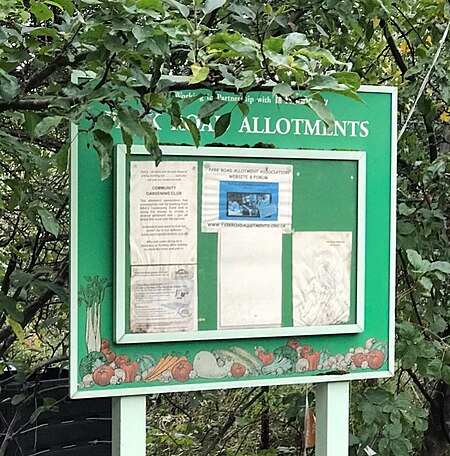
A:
[163, 246]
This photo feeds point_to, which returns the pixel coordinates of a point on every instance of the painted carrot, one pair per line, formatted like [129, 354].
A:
[164, 364]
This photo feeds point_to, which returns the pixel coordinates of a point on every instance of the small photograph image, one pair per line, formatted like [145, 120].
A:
[258, 205]
[248, 201]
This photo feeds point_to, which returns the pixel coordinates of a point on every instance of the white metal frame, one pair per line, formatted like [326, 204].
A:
[121, 198]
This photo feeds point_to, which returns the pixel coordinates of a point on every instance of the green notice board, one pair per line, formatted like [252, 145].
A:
[219, 267]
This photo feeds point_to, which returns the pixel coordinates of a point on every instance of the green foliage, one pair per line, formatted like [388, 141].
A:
[389, 423]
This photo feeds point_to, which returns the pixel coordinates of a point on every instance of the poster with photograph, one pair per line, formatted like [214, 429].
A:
[163, 299]
[249, 278]
[321, 277]
[163, 212]
[251, 195]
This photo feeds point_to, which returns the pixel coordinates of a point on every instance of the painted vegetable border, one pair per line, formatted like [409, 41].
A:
[106, 368]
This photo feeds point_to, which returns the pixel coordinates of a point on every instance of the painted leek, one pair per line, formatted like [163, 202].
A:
[92, 296]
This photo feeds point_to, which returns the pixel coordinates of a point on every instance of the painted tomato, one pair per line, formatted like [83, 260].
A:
[293, 343]
[375, 359]
[306, 349]
[237, 370]
[359, 358]
[105, 344]
[181, 371]
[102, 375]
[109, 355]
[122, 360]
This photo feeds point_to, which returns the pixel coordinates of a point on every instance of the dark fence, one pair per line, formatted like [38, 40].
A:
[68, 428]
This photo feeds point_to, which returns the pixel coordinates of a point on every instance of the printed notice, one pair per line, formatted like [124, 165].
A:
[163, 212]
[249, 276]
[163, 299]
[250, 195]
[321, 277]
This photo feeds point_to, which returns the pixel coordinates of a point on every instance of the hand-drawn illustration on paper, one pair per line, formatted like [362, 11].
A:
[321, 277]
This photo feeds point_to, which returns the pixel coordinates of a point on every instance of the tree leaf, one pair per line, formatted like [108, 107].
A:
[394, 430]
[414, 259]
[129, 121]
[63, 5]
[377, 395]
[44, 31]
[151, 140]
[293, 40]
[317, 104]
[210, 5]
[194, 130]
[62, 158]
[445, 374]
[113, 43]
[222, 124]
[41, 11]
[150, 5]
[199, 73]
[46, 125]
[245, 79]
[18, 398]
[243, 107]
[283, 89]
[48, 220]
[443, 266]
[400, 446]
[405, 210]
[103, 143]
[9, 87]
[210, 108]
[434, 368]
[31, 119]
[104, 122]
[183, 9]
[9, 305]
[325, 82]
[349, 78]
[17, 328]
[58, 289]
[127, 139]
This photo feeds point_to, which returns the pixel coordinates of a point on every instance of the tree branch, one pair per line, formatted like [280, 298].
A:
[393, 47]
[59, 61]
[422, 389]
[7, 335]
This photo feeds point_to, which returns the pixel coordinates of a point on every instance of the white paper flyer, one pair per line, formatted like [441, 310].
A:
[249, 278]
[321, 277]
[163, 299]
[163, 212]
[250, 195]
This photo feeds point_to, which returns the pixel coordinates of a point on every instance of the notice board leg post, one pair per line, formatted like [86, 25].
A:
[128, 426]
[332, 418]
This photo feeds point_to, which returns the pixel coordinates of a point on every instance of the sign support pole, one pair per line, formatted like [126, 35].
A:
[128, 425]
[332, 417]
